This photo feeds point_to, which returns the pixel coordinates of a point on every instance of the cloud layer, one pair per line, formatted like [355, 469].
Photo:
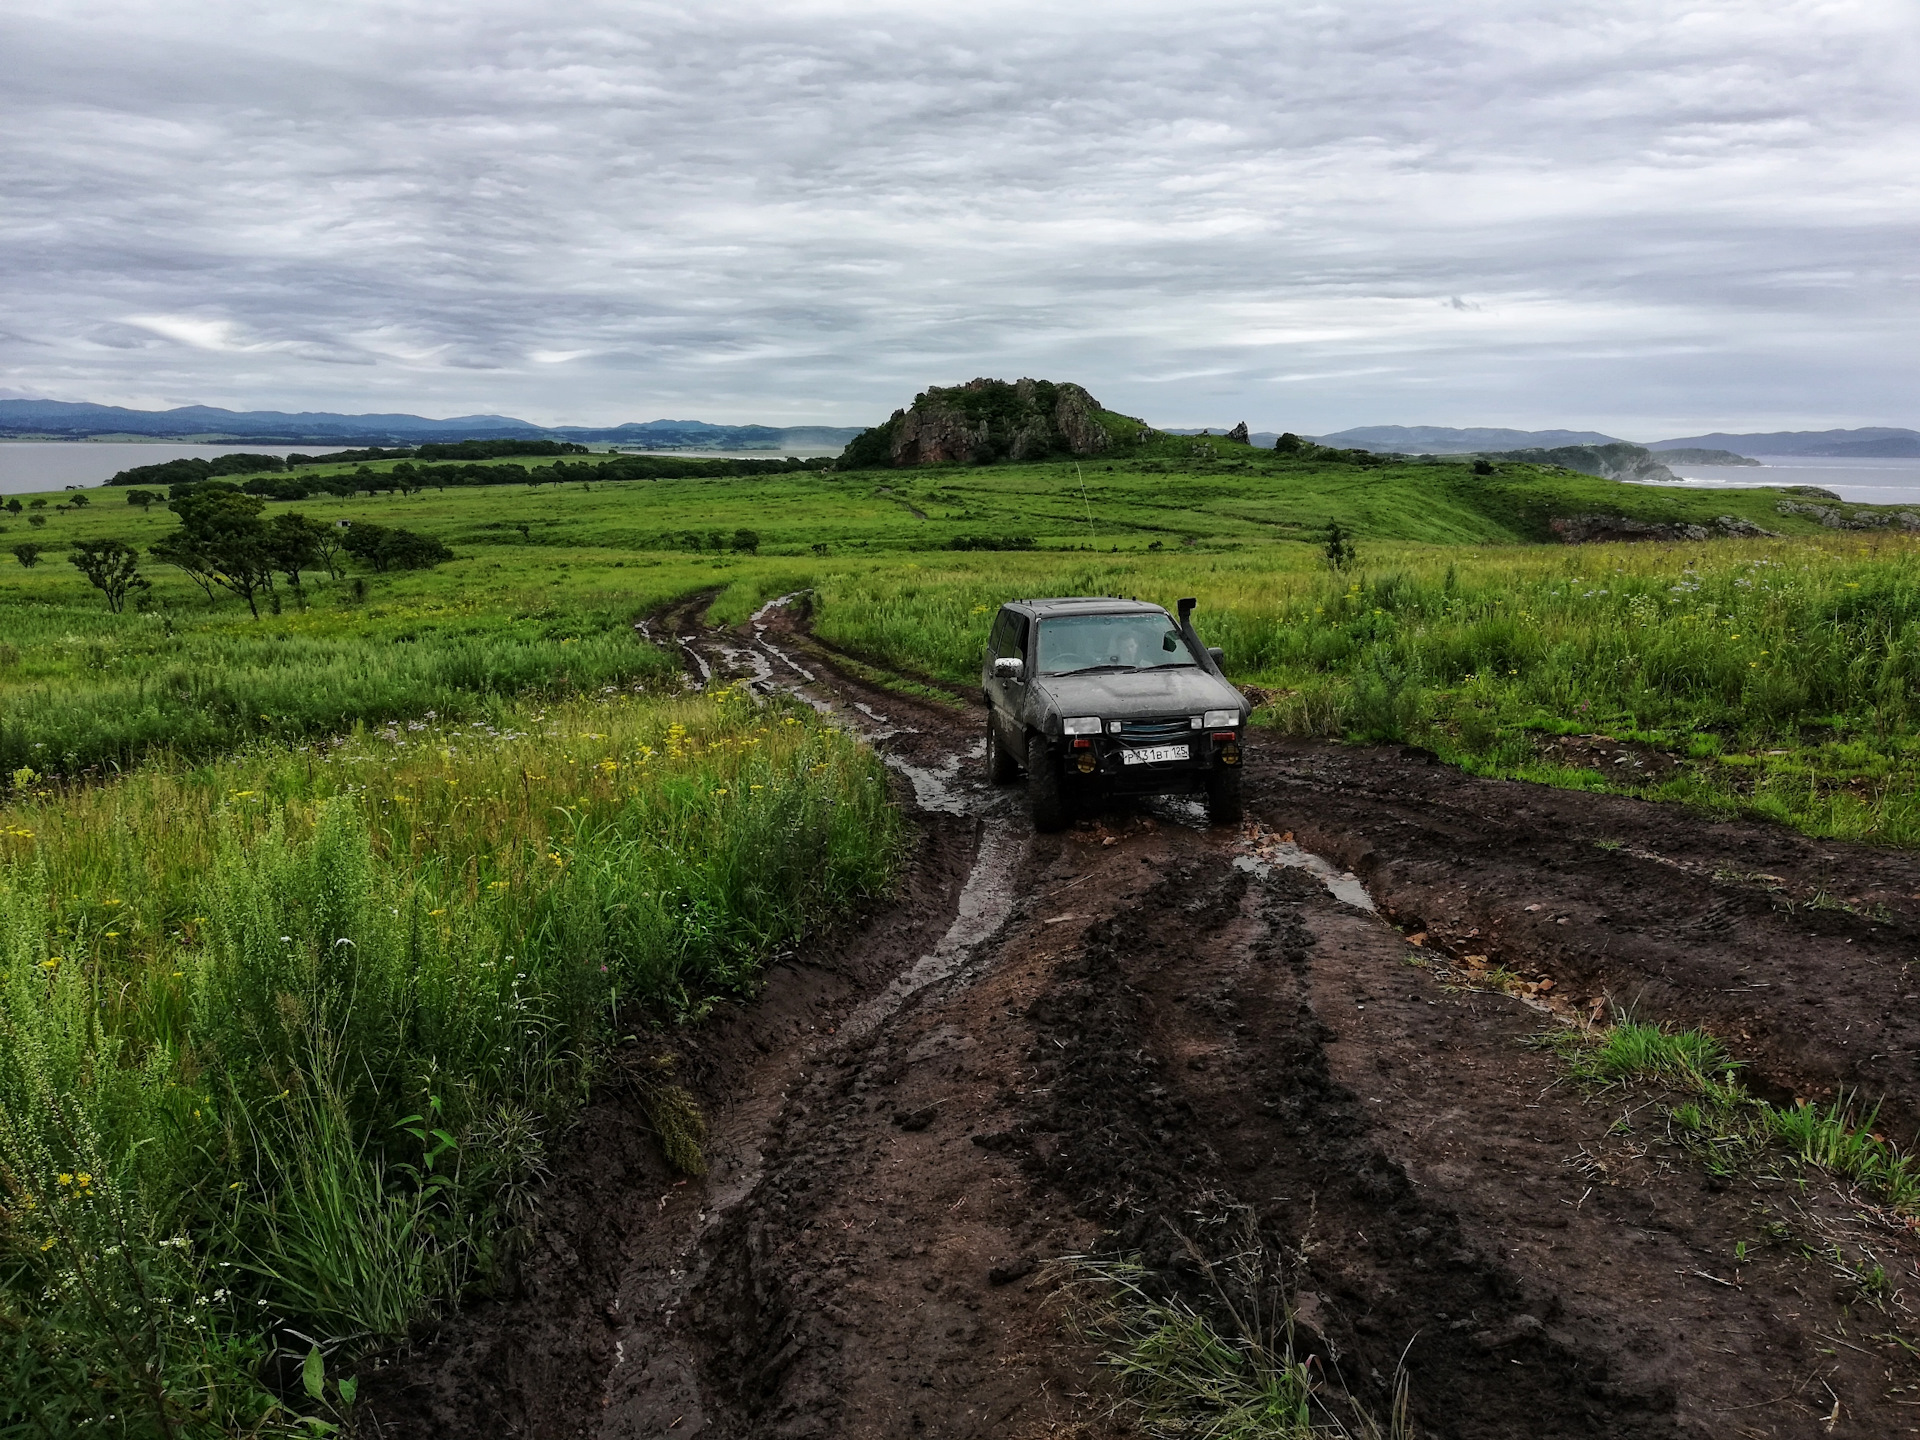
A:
[1628, 216]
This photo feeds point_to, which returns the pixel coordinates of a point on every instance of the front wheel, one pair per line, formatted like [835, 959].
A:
[1223, 795]
[1046, 787]
[1002, 768]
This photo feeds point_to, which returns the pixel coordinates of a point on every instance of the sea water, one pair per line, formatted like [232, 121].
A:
[1864, 482]
[27, 466]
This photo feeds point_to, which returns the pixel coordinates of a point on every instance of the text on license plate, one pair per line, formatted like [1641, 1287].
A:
[1154, 754]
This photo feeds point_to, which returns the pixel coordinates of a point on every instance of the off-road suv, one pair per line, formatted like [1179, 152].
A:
[1098, 697]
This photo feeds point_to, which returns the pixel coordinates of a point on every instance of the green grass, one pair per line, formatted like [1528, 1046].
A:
[293, 1007]
[1228, 1368]
[1729, 1129]
[1777, 673]
[282, 1037]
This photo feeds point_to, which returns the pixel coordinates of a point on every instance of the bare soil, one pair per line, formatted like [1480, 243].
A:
[1144, 1035]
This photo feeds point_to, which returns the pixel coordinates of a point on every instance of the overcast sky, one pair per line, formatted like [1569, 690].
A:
[1648, 219]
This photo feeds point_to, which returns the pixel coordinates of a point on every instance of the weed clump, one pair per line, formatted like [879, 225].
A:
[1728, 1128]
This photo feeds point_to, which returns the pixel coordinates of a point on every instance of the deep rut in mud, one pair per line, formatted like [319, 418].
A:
[1147, 1037]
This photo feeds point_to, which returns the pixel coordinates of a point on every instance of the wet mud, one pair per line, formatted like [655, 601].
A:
[1152, 1038]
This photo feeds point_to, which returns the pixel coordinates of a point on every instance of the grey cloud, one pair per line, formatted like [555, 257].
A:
[1622, 216]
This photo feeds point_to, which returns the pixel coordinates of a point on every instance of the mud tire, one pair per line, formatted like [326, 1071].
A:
[1223, 795]
[1002, 768]
[1046, 788]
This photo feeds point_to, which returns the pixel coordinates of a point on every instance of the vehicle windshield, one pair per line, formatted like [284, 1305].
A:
[1074, 643]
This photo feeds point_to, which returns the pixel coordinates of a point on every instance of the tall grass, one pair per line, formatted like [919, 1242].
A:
[1781, 675]
[280, 1037]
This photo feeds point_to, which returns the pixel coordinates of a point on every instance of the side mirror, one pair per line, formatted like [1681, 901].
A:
[1217, 655]
[1008, 667]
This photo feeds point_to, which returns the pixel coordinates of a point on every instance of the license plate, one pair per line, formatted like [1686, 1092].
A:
[1154, 754]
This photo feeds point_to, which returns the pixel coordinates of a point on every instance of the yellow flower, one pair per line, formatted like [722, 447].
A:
[65, 1179]
[436, 912]
[113, 934]
[83, 1179]
[52, 1240]
[496, 884]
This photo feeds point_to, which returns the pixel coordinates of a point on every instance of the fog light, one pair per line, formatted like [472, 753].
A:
[1229, 754]
[1086, 762]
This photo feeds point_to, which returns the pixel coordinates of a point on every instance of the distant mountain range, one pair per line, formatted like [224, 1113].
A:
[1446, 440]
[1870, 442]
[64, 420]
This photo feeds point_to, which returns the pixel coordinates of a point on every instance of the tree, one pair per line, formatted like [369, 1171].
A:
[185, 554]
[293, 544]
[1289, 444]
[222, 538]
[14, 506]
[1483, 467]
[142, 498]
[363, 541]
[747, 540]
[394, 549]
[328, 544]
[79, 500]
[1340, 549]
[111, 567]
[36, 521]
[407, 550]
[37, 503]
[28, 555]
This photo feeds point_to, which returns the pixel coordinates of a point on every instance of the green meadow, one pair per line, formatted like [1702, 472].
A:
[316, 928]
[1774, 671]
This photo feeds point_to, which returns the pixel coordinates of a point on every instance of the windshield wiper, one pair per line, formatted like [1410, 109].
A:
[1091, 669]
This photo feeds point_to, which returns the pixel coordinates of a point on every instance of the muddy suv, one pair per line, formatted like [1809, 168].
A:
[1100, 697]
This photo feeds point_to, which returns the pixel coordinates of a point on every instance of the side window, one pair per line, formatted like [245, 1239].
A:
[1009, 638]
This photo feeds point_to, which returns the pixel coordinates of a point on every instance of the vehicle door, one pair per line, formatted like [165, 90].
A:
[1007, 696]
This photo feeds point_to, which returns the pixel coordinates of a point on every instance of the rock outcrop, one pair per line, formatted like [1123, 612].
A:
[1596, 529]
[984, 422]
[1835, 518]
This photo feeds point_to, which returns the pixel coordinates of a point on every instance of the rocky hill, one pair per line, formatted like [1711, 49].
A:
[985, 422]
[1616, 461]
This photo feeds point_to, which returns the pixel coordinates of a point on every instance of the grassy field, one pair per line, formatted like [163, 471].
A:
[1774, 672]
[281, 1037]
[290, 1002]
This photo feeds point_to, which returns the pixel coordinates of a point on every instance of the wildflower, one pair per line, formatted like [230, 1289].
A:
[65, 1179]
[52, 1240]
[113, 934]
[436, 912]
[51, 963]
[83, 1180]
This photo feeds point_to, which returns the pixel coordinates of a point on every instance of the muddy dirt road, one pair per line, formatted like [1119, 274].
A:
[1144, 1036]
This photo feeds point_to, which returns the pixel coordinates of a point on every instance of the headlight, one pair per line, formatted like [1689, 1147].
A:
[1081, 725]
[1215, 719]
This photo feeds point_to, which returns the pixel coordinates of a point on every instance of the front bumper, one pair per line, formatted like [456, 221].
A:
[1103, 758]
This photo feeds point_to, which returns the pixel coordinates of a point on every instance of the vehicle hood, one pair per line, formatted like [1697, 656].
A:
[1138, 694]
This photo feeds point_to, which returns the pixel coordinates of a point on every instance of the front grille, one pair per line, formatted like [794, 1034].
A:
[1155, 732]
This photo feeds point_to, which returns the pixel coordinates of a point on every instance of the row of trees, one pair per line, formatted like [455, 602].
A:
[223, 543]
